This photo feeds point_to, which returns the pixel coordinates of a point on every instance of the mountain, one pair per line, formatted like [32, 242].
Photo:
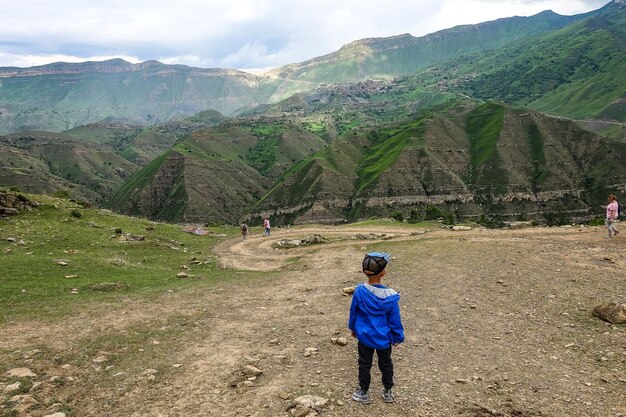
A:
[577, 71]
[470, 160]
[62, 96]
[214, 174]
[45, 162]
[492, 160]
[92, 161]
[405, 54]
[433, 128]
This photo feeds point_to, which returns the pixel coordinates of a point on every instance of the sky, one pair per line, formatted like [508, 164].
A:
[251, 35]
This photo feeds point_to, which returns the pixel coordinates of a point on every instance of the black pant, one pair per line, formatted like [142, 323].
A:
[366, 355]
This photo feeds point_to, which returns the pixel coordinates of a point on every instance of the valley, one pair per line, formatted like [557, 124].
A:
[505, 120]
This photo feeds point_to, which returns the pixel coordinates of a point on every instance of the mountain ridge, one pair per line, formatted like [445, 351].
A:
[60, 96]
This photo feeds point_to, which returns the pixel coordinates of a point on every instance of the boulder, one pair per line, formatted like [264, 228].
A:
[342, 341]
[21, 373]
[348, 290]
[461, 228]
[250, 370]
[311, 401]
[12, 387]
[24, 402]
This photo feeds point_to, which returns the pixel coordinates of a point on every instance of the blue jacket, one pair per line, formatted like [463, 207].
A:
[375, 316]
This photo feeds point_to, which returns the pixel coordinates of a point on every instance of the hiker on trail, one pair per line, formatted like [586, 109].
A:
[375, 322]
[244, 231]
[266, 226]
[611, 215]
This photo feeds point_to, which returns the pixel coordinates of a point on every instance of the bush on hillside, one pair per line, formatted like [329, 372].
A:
[397, 215]
[490, 222]
[433, 213]
[448, 219]
[416, 216]
[598, 221]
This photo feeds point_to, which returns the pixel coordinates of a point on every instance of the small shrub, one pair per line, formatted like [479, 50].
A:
[448, 219]
[15, 189]
[415, 216]
[490, 222]
[598, 221]
[433, 213]
[397, 215]
[556, 218]
[22, 198]
[76, 213]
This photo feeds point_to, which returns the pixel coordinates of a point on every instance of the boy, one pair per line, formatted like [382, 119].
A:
[375, 322]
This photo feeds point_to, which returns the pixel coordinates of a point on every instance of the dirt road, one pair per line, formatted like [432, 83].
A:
[497, 322]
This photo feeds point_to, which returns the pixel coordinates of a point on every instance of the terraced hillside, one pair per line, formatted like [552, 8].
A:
[493, 160]
[467, 160]
[214, 174]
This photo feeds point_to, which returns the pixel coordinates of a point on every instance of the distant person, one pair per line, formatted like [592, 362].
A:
[612, 210]
[244, 231]
[266, 226]
[375, 322]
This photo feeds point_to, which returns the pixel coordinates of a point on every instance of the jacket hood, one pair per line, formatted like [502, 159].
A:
[376, 300]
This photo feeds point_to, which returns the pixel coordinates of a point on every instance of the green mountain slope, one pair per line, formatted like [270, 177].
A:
[405, 54]
[214, 174]
[490, 160]
[577, 71]
[61, 96]
[46, 162]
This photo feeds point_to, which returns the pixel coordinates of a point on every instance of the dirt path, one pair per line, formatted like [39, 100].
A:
[498, 323]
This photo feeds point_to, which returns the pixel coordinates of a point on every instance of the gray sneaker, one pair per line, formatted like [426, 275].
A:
[362, 397]
[388, 396]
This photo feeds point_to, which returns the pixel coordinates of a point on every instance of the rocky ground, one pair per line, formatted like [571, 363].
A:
[497, 322]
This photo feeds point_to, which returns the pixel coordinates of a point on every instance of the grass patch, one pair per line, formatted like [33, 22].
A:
[384, 152]
[64, 263]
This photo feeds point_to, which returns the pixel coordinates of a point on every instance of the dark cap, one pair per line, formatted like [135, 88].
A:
[375, 262]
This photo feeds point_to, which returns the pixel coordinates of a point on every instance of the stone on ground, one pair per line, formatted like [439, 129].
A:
[21, 373]
[311, 401]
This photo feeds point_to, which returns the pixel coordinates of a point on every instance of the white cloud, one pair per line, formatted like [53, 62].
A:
[241, 33]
